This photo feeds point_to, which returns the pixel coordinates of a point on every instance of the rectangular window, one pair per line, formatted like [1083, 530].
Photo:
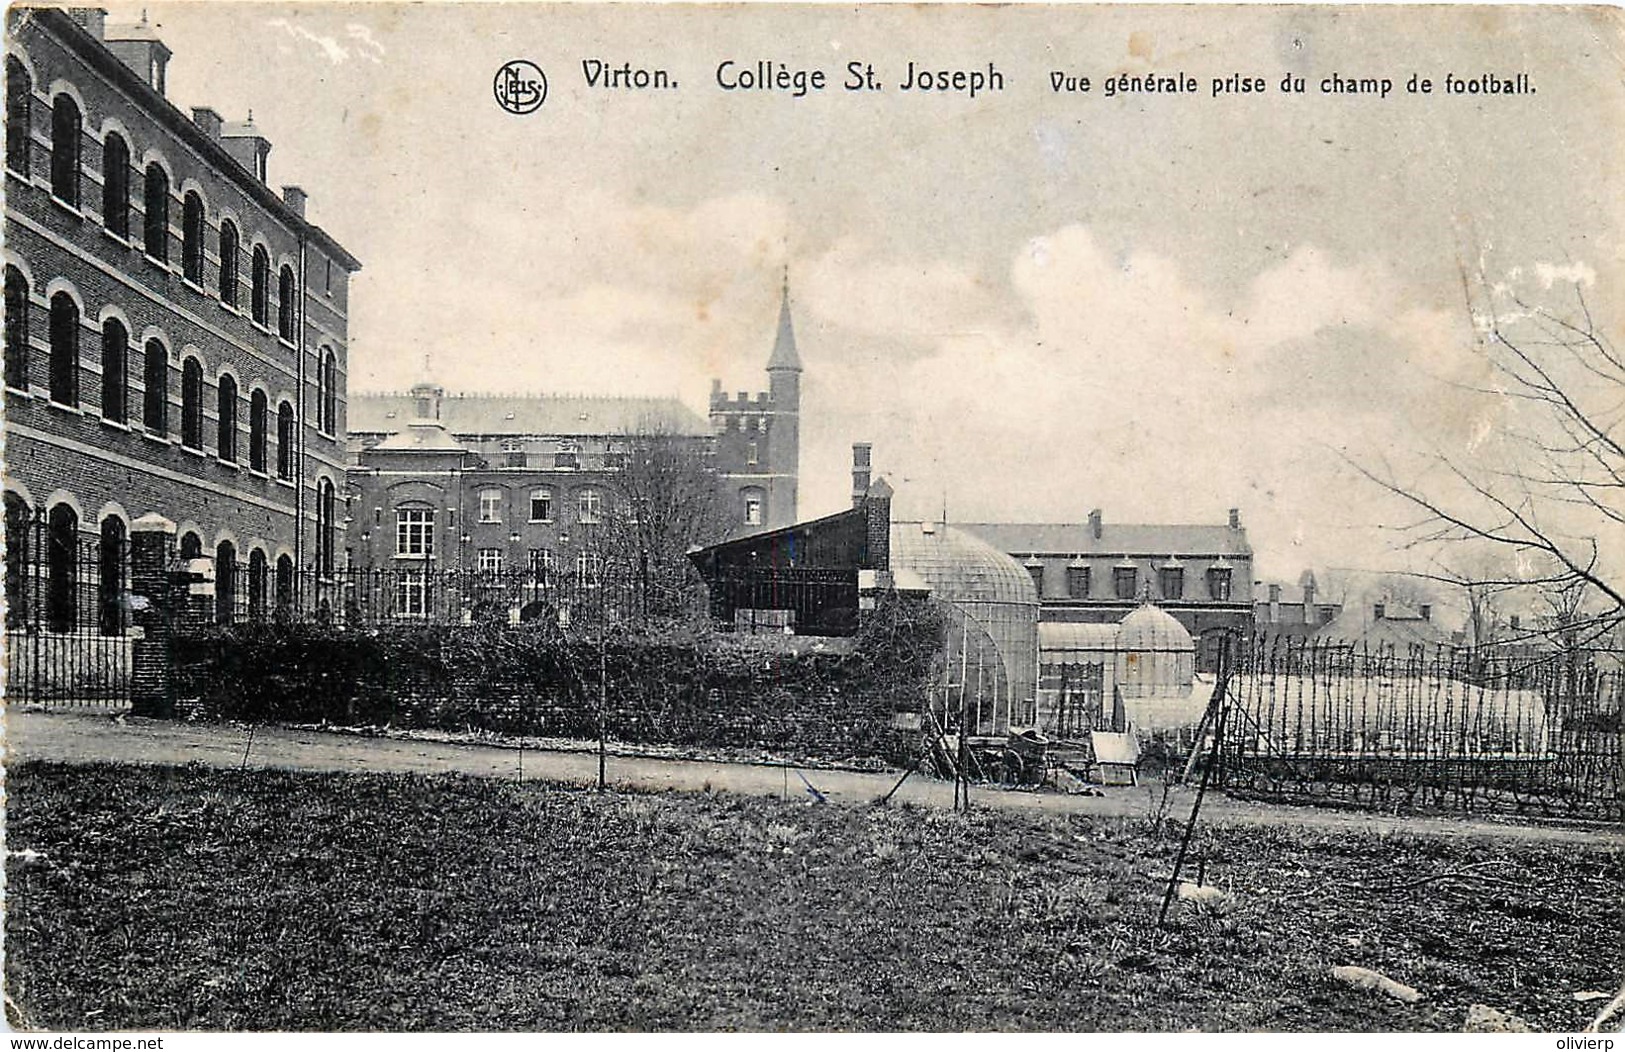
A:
[412, 594]
[753, 511]
[1172, 581]
[1218, 584]
[541, 563]
[589, 507]
[490, 560]
[589, 569]
[490, 505]
[414, 532]
[751, 456]
[1125, 581]
[1077, 582]
[541, 505]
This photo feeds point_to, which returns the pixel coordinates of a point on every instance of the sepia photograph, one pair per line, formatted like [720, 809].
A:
[797, 518]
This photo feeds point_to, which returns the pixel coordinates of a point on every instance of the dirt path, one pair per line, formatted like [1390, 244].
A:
[83, 737]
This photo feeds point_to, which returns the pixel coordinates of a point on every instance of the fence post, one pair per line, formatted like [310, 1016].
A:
[152, 546]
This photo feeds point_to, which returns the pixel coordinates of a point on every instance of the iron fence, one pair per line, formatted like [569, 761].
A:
[1428, 728]
[439, 595]
[68, 635]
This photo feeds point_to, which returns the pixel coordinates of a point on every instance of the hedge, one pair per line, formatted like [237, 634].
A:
[667, 683]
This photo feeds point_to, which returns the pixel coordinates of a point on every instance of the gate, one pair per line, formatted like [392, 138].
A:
[68, 635]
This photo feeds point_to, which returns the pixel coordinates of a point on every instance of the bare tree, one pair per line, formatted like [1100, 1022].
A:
[673, 501]
[1552, 498]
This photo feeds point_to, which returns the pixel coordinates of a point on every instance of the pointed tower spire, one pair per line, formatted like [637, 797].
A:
[784, 345]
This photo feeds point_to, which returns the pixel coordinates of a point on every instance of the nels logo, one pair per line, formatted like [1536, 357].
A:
[520, 86]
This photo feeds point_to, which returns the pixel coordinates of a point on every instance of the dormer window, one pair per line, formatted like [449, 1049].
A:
[1218, 583]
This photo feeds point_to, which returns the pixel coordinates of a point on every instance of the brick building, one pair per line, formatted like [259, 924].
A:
[517, 482]
[1292, 614]
[1100, 571]
[175, 328]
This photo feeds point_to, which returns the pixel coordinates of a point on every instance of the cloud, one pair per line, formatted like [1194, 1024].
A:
[366, 47]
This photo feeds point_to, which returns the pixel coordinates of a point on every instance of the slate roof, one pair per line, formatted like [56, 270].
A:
[1398, 628]
[499, 414]
[1077, 538]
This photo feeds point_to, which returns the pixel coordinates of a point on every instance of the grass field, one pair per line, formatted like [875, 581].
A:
[185, 898]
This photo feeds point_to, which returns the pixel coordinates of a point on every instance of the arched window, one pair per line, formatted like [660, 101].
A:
[327, 396]
[326, 526]
[226, 434]
[258, 410]
[64, 350]
[192, 229]
[287, 292]
[228, 262]
[284, 441]
[155, 202]
[115, 371]
[67, 136]
[191, 545]
[16, 329]
[110, 576]
[260, 296]
[62, 568]
[192, 404]
[116, 185]
[284, 587]
[257, 574]
[225, 582]
[19, 541]
[155, 397]
[19, 115]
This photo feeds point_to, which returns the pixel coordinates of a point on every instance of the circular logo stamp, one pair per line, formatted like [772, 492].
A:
[520, 86]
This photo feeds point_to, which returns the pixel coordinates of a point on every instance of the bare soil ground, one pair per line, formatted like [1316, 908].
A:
[198, 898]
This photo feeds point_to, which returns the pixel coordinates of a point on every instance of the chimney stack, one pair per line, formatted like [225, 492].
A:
[860, 472]
[1275, 604]
[92, 20]
[1427, 611]
[1235, 518]
[877, 514]
[295, 197]
[1095, 524]
[208, 120]
[1378, 611]
[1308, 599]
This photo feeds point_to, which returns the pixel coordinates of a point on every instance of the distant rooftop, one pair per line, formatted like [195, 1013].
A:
[1078, 538]
[528, 414]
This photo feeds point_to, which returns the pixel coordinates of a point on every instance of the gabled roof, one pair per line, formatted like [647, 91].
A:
[1355, 627]
[497, 414]
[1078, 538]
[421, 438]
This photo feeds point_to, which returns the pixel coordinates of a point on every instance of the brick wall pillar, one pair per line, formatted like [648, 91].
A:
[194, 597]
[152, 548]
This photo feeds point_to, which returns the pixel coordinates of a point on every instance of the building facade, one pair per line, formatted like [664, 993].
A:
[176, 330]
[1100, 571]
[534, 482]
[1288, 614]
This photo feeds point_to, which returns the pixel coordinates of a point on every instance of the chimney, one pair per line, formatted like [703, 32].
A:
[1235, 518]
[860, 472]
[245, 143]
[1516, 623]
[208, 120]
[1378, 611]
[1427, 612]
[1275, 604]
[92, 20]
[139, 48]
[877, 508]
[1094, 524]
[295, 197]
[1309, 599]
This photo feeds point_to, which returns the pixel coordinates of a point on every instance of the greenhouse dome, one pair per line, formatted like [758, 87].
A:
[992, 645]
[1156, 655]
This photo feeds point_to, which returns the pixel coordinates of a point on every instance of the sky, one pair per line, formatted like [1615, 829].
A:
[1033, 303]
